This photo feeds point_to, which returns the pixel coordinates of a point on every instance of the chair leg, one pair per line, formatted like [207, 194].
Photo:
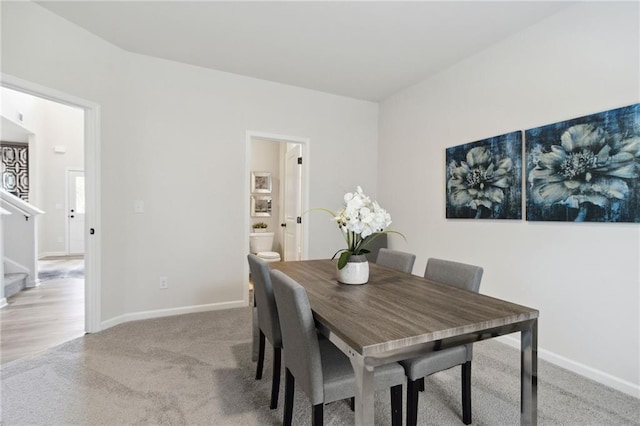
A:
[318, 415]
[412, 402]
[260, 357]
[275, 383]
[466, 393]
[289, 388]
[421, 384]
[396, 405]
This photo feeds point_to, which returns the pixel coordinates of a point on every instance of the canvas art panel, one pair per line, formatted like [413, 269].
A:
[586, 169]
[484, 178]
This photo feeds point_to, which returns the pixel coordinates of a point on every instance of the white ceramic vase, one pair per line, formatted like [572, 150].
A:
[356, 271]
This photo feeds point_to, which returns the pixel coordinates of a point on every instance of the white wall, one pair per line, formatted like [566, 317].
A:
[52, 124]
[584, 278]
[14, 108]
[265, 157]
[173, 133]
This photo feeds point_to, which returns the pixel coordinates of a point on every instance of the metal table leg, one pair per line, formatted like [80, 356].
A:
[529, 375]
[365, 386]
[364, 402]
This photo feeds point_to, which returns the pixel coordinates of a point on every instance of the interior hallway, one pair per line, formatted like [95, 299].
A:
[45, 316]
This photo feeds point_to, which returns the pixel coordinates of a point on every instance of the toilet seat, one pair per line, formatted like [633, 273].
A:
[269, 255]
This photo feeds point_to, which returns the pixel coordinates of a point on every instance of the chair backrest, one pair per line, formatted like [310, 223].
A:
[398, 260]
[267, 311]
[299, 336]
[375, 242]
[458, 274]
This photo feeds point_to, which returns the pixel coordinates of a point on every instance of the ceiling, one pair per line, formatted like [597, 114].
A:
[363, 50]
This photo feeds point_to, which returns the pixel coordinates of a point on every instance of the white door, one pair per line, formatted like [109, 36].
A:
[293, 204]
[75, 214]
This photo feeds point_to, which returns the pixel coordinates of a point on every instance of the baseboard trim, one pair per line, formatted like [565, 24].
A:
[159, 313]
[3, 302]
[578, 368]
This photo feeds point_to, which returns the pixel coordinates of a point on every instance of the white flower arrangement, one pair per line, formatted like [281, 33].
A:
[358, 219]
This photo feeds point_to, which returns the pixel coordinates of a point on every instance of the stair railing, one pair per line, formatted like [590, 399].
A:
[19, 236]
[23, 207]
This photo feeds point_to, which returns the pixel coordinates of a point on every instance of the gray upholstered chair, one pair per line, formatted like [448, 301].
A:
[318, 367]
[463, 276]
[375, 242]
[398, 260]
[268, 322]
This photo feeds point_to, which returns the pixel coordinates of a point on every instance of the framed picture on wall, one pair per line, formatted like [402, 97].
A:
[260, 206]
[484, 178]
[586, 169]
[261, 182]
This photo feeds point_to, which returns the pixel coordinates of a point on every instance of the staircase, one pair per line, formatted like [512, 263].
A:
[18, 245]
[13, 283]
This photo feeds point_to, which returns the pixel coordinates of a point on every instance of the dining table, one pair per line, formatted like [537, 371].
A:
[397, 316]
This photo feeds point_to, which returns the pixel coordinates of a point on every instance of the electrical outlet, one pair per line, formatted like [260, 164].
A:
[164, 282]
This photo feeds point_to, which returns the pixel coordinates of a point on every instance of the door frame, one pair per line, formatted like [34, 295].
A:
[306, 151]
[93, 245]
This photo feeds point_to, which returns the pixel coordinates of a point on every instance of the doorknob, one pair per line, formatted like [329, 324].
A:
[284, 225]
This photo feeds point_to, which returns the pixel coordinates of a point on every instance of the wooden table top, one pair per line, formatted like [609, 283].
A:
[395, 311]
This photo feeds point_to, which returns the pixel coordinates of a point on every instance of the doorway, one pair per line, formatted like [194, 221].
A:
[288, 171]
[91, 162]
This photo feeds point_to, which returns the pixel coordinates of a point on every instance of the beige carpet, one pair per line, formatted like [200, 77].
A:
[196, 369]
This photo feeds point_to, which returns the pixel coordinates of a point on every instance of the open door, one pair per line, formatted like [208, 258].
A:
[293, 204]
[75, 215]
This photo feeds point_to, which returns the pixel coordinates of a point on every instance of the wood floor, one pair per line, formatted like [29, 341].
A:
[42, 317]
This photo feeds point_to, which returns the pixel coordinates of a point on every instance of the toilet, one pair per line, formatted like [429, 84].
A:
[261, 244]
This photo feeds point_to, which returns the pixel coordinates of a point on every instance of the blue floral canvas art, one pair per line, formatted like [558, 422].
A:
[484, 178]
[585, 169]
